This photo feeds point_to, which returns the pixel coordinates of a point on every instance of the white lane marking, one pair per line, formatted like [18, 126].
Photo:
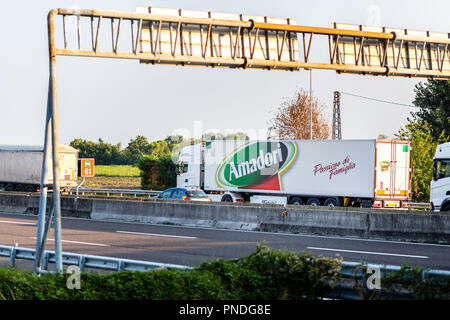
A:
[17, 222]
[156, 234]
[250, 231]
[79, 242]
[369, 252]
[267, 232]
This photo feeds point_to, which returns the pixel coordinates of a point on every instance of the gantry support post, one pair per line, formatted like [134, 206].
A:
[51, 136]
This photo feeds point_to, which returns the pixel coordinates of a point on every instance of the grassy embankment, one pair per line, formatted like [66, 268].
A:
[114, 177]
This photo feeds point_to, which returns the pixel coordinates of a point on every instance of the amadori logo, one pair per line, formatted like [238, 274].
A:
[257, 165]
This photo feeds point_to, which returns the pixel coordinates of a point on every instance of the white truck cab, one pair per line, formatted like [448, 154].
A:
[440, 185]
[189, 167]
[191, 172]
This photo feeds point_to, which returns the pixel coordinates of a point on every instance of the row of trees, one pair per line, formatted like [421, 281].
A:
[113, 154]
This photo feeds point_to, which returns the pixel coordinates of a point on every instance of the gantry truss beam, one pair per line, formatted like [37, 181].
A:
[183, 40]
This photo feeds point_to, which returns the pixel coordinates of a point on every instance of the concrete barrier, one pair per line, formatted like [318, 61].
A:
[176, 212]
[28, 203]
[411, 226]
[358, 222]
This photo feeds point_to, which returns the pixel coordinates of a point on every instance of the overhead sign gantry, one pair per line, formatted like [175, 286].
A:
[209, 39]
[200, 38]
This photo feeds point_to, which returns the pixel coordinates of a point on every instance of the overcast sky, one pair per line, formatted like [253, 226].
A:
[117, 100]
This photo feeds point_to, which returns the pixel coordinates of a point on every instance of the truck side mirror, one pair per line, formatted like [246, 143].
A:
[179, 169]
[435, 173]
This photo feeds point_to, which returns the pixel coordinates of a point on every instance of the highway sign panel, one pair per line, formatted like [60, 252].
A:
[87, 167]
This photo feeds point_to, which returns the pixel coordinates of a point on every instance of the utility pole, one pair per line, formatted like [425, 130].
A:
[337, 134]
[310, 104]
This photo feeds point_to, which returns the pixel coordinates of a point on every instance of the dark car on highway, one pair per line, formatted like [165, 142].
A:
[183, 194]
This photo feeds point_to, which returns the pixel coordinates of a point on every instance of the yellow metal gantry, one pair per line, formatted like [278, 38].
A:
[184, 40]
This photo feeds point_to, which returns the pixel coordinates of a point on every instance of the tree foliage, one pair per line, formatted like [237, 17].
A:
[427, 128]
[139, 147]
[109, 154]
[158, 171]
[136, 149]
[103, 153]
[423, 149]
[433, 100]
[230, 136]
[292, 119]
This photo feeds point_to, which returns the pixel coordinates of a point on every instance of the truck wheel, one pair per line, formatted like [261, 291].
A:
[296, 201]
[9, 187]
[313, 202]
[227, 198]
[20, 188]
[30, 188]
[332, 202]
[366, 203]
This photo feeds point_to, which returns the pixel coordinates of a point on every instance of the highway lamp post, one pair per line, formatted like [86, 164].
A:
[310, 104]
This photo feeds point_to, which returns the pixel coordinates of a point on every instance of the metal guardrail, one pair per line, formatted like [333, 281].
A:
[349, 268]
[84, 261]
[419, 205]
[351, 272]
[151, 193]
[121, 192]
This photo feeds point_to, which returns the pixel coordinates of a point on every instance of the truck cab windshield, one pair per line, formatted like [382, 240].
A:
[441, 169]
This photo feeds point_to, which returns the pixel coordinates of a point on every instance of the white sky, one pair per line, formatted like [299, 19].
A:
[116, 99]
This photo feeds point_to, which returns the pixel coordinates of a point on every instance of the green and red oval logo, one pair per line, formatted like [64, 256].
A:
[384, 164]
[257, 165]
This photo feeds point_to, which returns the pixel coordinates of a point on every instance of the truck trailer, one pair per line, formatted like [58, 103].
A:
[21, 167]
[313, 172]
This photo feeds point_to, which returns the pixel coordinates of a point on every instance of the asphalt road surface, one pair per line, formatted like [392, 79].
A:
[192, 246]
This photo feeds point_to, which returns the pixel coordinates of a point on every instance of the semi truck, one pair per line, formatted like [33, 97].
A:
[21, 167]
[367, 173]
[440, 184]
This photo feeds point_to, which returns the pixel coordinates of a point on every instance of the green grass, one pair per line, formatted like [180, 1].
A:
[112, 182]
[116, 171]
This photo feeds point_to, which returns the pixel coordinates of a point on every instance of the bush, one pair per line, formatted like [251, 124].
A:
[123, 285]
[153, 285]
[274, 274]
[157, 172]
[409, 281]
